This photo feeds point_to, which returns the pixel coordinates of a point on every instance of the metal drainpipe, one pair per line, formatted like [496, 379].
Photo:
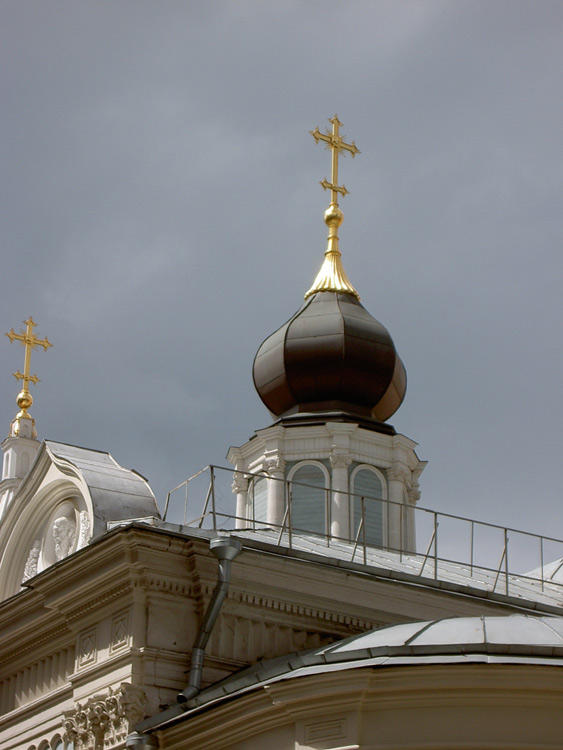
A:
[225, 550]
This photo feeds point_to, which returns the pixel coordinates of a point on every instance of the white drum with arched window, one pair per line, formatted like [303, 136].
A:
[368, 488]
[309, 498]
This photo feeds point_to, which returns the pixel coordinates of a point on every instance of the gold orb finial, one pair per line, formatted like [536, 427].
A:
[334, 215]
[24, 399]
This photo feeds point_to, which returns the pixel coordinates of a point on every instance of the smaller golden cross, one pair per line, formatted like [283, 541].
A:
[337, 144]
[28, 340]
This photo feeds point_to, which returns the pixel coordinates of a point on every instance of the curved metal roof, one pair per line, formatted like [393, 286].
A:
[511, 639]
[117, 493]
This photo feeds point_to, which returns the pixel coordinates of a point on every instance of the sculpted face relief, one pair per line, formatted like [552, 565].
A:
[64, 533]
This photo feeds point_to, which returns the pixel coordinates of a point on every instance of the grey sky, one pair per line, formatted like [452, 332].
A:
[162, 215]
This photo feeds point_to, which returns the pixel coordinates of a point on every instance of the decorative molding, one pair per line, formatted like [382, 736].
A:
[155, 584]
[119, 631]
[87, 652]
[97, 601]
[169, 587]
[105, 720]
[325, 731]
[85, 533]
[413, 496]
[399, 473]
[36, 679]
[301, 610]
[32, 644]
[32, 562]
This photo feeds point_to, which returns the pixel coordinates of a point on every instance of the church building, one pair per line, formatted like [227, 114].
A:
[318, 613]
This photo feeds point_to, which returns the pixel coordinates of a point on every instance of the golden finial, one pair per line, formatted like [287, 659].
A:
[332, 277]
[25, 399]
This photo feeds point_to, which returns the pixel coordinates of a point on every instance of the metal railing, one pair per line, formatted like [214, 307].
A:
[480, 550]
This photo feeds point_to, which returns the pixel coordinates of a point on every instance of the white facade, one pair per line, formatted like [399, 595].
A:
[99, 618]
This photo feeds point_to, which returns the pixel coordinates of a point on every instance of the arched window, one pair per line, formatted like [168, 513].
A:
[369, 485]
[309, 498]
[258, 498]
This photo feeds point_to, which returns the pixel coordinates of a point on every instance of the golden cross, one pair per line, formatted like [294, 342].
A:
[335, 142]
[29, 341]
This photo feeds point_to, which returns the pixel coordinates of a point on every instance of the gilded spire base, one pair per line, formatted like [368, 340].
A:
[332, 276]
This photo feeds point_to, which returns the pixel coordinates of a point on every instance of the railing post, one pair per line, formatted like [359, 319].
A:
[507, 585]
[204, 512]
[213, 498]
[401, 536]
[472, 541]
[541, 562]
[436, 545]
[357, 539]
[289, 518]
[166, 506]
[328, 516]
[500, 565]
[364, 529]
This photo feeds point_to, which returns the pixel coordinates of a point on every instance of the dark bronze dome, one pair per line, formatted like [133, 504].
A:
[331, 356]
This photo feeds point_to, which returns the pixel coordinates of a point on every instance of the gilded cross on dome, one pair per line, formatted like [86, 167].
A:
[29, 340]
[336, 143]
[332, 277]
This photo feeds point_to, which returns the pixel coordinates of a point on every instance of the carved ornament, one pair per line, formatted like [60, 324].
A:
[398, 473]
[105, 720]
[274, 465]
[240, 483]
[340, 460]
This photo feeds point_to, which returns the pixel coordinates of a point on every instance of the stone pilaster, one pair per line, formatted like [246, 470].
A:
[240, 488]
[398, 477]
[340, 506]
[275, 467]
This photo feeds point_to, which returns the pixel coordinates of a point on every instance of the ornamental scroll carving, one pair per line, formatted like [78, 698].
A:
[274, 465]
[399, 473]
[240, 483]
[105, 720]
[340, 460]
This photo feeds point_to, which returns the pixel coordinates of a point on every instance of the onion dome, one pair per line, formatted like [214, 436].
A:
[332, 357]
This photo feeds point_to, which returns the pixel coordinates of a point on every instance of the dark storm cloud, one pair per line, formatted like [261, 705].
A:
[161, 215]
